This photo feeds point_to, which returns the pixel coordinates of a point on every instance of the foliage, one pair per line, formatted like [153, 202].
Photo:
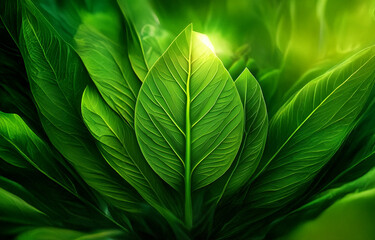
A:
[120, 119]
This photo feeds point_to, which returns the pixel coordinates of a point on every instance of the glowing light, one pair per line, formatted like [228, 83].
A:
[206, 41]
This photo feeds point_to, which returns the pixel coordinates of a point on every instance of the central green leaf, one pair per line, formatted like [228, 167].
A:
[189, 115]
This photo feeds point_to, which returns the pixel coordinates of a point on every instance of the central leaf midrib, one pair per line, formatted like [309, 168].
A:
[188, 202]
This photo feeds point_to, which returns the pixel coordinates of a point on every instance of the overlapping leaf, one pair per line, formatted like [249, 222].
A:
[57, 80]
[16, 210]
[254, 137]
[67, 234]
[20, 146]
[135, 48]
[104, 52]
[103, 49]
[321, 202]
[309, 129]
[117, 142]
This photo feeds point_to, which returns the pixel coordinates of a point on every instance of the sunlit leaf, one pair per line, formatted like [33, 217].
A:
[306, 132]
[189, 116]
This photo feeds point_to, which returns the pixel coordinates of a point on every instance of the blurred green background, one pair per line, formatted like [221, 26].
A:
[284, 43]
[352, 217]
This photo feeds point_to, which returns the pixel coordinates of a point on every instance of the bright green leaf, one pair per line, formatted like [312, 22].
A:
[255, 134]
[104, 53]
[135, 48]
[189, 116]
[306, 132]
[117, 142]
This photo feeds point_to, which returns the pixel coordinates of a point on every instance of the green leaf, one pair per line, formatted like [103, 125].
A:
[108, 64]
[136, 54]
[10, 16]
[14, 101]
[48, 197]
[57, 79]
[18, 143]
[322, 201]
[117, 142]
[14, 209]
[254, 137]
[269, 82]
[135, 48]
[96, 30]
[237, 67]
[153, 35]
[50, 233]
[189, 116]
[306, 132]
[359, 150]
[15, 95]
[23, 193]
[358, 165]
[22, 147]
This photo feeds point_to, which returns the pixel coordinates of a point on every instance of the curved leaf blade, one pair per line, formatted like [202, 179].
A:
[309, 129]
[22, 147]
[16, 210]
[96, 30]
[135, 48]
[136, 53]
[254, 136]
[189, 116]
[53, 233]
[104, 53]
[57, 79]
[10, 17]
[321, 202]
[117, 142]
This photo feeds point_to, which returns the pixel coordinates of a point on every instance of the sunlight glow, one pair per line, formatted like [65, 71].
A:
[206, 41]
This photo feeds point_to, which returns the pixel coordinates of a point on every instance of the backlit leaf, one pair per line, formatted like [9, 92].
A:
[189, 116]
[306, 132]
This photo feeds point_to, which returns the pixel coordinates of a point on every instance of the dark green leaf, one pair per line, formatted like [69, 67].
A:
[10, 16]
[57, 80]
[50, 233]
[15, 209]
[117, 142]
[22, 147]
[268, 82]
